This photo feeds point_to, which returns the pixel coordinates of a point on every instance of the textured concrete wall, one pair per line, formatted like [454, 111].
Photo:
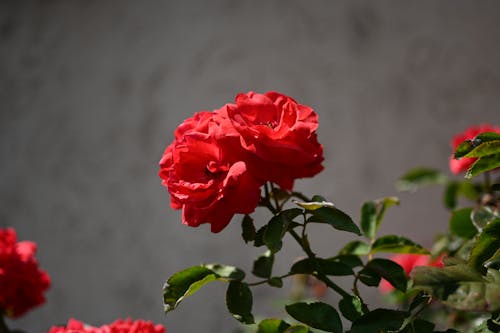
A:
[91, 91]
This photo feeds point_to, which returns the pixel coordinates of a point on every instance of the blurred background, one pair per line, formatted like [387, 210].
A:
[91, 92]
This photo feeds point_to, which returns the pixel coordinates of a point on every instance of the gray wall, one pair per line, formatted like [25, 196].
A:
[91, 91]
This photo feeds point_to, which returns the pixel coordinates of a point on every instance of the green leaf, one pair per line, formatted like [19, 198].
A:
[259, 236]
[484, 149]
[419, 177]
[326, 266]
[358, 248]
[274, 233]
[379, 320]
[397, 244]
[494, 261]
[441, 277]
[248, 229]
[369, 277]
[369, 219]
[487, 136]
[186, 282]
[349, 260]
[317, 315]
[419, 326]
[272, 326]
[336, 218]
[388, 270]
[292, 213]
[239, 302]
[486, 245]
[372, 214]
[351, 307]
[276, 282]
[183, 283]
[263, 266]
[461, 223]
[468, 145]
[483, 164]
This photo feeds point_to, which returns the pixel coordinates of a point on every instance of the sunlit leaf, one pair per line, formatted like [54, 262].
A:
[272, 326]
[483, 164]
[358, 248]
[397, 244]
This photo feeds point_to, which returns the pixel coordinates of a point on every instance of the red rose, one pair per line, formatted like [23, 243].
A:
[206, 174]
[460, 165]
[408, 262]
[118, 326]
[280, 134]
[22, 283]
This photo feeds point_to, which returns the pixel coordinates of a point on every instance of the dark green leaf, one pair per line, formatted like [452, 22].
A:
[464, 189]
[487, 136]
[325, 266]
[390, 271]
[351, 307]
[440, 277]
[450, 195]
[292, 213]
[379, 320]
[483, 164]
[272, 326]
[317, 315]
[463, 149]
[369, 277]
[461, 223]
[276, 282]
[349, 260]
[421, 298]
[469, 145]
[317, 197]
[239, 302]
[263, 266]
[484, 149]
[184, 283]
[419, 326]
[259, 236]
[358, 248]
[419, 177]
[274, 233]
[336, 218]
[494, 261]
[397, 244]
[369, 219]
[248, 229]
[486, 245]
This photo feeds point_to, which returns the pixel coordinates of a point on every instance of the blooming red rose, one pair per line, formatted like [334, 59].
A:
[206, 174]
[280, 134]
[408, 262]
[118, 326]
[22, 283]
[460, 165]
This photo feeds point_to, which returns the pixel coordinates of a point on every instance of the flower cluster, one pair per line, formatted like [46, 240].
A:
[219, 160]
[118, 326]
[22, 282]
[461, 165]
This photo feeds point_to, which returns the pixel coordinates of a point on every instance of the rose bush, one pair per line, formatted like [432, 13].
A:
[22, 282]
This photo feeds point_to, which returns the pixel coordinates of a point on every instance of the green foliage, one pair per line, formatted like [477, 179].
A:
[186, 282]
[483, 164]
[317, 315]
[372, 214]
[239, 301]
[272, 326]
[334, 217]
[486, 246]
[461, 223]
[419, 177]
[384, 268]
[248, 229]
[351, 307]
[358, 248]
[263, 265]
[397, 244]
[332, 266]
[379, 320]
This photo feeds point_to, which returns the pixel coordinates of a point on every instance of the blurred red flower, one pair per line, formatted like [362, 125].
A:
[118, 326]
